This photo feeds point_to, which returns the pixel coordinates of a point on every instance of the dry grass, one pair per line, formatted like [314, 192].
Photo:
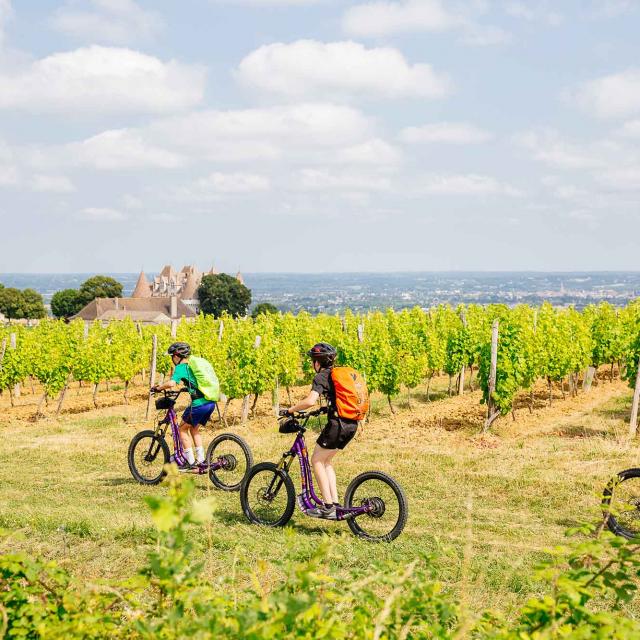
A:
[65, 484]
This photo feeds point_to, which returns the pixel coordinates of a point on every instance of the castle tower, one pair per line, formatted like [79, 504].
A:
[143, 288]
[190, 286]
[239, 277]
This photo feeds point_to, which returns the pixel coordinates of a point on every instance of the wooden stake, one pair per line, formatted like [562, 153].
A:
[13, 346]
[245, 409]
[275, 398]
[588, 379]
[152, 373]
[3, 349]
[220, 330]
[633, 425]
[492, 411]
[63, 393]
[463, 317]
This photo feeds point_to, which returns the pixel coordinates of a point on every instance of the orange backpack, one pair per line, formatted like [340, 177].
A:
[352, 396]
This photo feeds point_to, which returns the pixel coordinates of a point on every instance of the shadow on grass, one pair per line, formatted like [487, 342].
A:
[299, 523]
[580, 431]
[117, 482]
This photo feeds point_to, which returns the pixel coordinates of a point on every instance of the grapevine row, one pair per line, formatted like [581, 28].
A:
[392, 349]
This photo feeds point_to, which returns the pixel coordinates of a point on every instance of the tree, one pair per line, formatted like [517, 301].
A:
[12, 302]
[262, 308]
[66, 303]
[99, 287]
[33, 305]
[221, 292]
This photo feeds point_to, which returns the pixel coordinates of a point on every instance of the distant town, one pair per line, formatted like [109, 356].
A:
[335, 292]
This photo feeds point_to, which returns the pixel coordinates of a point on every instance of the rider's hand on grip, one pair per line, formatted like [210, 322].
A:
[284, 412]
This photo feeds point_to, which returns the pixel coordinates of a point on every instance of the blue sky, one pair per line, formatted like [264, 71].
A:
[326, 135]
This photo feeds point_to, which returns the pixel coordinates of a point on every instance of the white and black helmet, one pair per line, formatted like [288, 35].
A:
[180, 349]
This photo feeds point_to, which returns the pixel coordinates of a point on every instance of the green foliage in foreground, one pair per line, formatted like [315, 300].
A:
[587, 583]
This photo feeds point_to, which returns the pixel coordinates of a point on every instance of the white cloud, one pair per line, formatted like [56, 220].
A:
[465, 184]
[228, 183]
[447, 132]
[612, 8]
[102, 79]
[8, 175]
[486, 36]
[107, 21]
[310, 68]
[373, 152]
[621, 179]
[54, 184]
[548, 147]
[270, 3]
[386, 18]
[630, 129]
[534, 12]
[262, 134]
[615, 95]
[324, 180]
[100, 214]
[120, 149]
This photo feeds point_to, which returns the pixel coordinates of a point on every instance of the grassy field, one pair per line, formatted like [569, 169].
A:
[505, 497]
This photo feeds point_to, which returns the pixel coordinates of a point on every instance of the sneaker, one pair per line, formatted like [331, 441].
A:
[328, 512]
[187, 468]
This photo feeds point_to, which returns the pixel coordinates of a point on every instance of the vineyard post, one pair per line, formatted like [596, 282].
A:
[3, 349]
[245, 400]
[174, 328]
[13, 346]
[463, 317]
[588, 379]
[152, 372]
[63, 393]
[633, 425]
[220, 330]
[492, 411]
[276, 398]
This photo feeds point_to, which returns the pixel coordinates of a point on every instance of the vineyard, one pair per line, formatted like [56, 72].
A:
[396, 351]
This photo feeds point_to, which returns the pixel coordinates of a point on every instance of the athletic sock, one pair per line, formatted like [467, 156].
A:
[200, 454]
[188, 454]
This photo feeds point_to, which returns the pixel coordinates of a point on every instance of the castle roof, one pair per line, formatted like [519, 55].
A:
[155, 310]
[143, 288]
[190, 287]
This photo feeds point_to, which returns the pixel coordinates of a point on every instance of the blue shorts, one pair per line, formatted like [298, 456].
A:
[198, 415]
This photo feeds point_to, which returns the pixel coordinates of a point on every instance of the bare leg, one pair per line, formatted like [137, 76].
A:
[185, 435]
[194, 432]
[325, 477]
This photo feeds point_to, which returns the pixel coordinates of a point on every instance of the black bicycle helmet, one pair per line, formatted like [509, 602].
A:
[323, 352]
[180, 349]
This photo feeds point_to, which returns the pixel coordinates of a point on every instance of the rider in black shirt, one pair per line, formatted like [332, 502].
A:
[336, 435]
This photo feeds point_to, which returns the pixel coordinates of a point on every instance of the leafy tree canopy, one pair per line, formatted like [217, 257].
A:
[221, 292]
[264, 307]
[21, 304]
[99, 287]
[66, 303]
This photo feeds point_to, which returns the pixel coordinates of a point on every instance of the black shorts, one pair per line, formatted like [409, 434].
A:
[337, 434]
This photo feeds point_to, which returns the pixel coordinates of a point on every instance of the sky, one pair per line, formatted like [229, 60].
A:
[319, 135]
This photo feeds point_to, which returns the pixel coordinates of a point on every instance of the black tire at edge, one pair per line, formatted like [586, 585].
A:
[131, 453]
[247, 454]
[288, 484]
[402, 503]
[612, 523]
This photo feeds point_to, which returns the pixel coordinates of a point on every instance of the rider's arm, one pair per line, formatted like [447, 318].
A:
[307, 403]
[169, 384]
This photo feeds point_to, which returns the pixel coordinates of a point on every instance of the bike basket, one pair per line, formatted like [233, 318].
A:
[289, 426]
[164, 403]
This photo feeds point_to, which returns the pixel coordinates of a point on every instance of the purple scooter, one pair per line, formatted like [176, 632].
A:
[228, 456]
[375, 506]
